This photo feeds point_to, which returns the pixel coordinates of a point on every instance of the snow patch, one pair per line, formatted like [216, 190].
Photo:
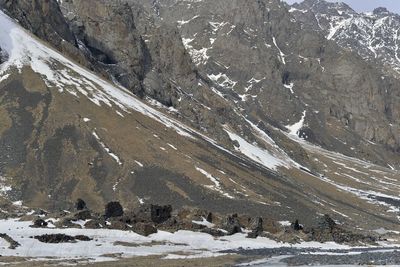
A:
[295, 128]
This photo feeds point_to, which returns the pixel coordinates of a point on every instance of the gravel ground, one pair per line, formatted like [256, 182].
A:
[317, 257]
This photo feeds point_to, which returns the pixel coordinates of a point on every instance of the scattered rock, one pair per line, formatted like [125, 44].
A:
[327, 230]
[83, 215]
[113, 209]
[94, 224]
[60, 238]
[66, 223]
[213, 232]
[144, 229]
[82, 238]
[153, 213]
[118, 225]
[326, 223]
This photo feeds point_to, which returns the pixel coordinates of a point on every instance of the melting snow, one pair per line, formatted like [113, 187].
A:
[295, 128]
[281, 54]
[256, 153]
[222, 80]
[104, 242]
[290, 87]
[23, 49]
[173, 147]
[108, 150]
[215, 180]
[139, 163]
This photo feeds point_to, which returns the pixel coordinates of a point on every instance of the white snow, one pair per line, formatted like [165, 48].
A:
[216, 26]
[204, 222]
[281, 54]
[256, 153]
[199, 56]
[107, 149]
[172, 146]
[104, 242]
[295, 128]
[139, 163]
[285, 223]
[25, 50]
[141, 200]
[183, 22]
[4, 77]
[217, 185]
[290, 87]
[222, 80]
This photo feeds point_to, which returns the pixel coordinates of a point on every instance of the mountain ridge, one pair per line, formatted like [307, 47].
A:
[266, 119]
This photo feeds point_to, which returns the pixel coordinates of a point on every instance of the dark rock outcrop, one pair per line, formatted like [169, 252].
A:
[13, 244]
[44, 19]
[256, 227]
[153, 213]
[113, 209]
[83, 215]
[61, 238]
[144, 229]
[95, 224]
[231, 224]
[39, 223]
[326, 230]
[296, 226]
[80, 204]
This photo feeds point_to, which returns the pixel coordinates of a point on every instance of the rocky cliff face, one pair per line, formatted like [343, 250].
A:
[246, 56]
[264, 63]
[373, 35]
[230, 92]
[44, 19]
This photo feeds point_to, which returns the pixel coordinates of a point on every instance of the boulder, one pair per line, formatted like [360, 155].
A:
[94, 224]
[83, 215]
[209, 217]
[129, 217]
[118, 225]
[144, 229]
[39, 223]
[256, 227]
[232, 225]
[113, 209]
[60, 238]
[296, 226]
[213, 232]
[153, 213]
[326, 223]
[66, 223]
[80, 204]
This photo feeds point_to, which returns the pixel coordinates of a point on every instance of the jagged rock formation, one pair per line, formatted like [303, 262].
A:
[262, 62]
[373, 35]
[229, 93]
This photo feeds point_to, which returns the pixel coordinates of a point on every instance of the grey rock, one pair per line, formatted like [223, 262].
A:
[144, 229]
[231, 224]
[113, 209]
[153, 213]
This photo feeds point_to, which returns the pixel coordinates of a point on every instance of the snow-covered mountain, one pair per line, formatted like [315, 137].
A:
[375, 36]
[228, 106]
